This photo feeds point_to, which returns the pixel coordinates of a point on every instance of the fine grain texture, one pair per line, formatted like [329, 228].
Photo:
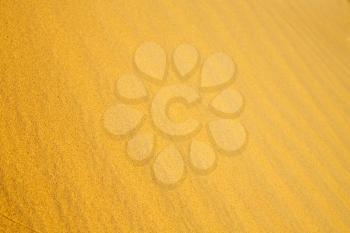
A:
[61, 171]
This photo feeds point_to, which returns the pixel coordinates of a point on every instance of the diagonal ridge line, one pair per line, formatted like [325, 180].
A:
[18, 223]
